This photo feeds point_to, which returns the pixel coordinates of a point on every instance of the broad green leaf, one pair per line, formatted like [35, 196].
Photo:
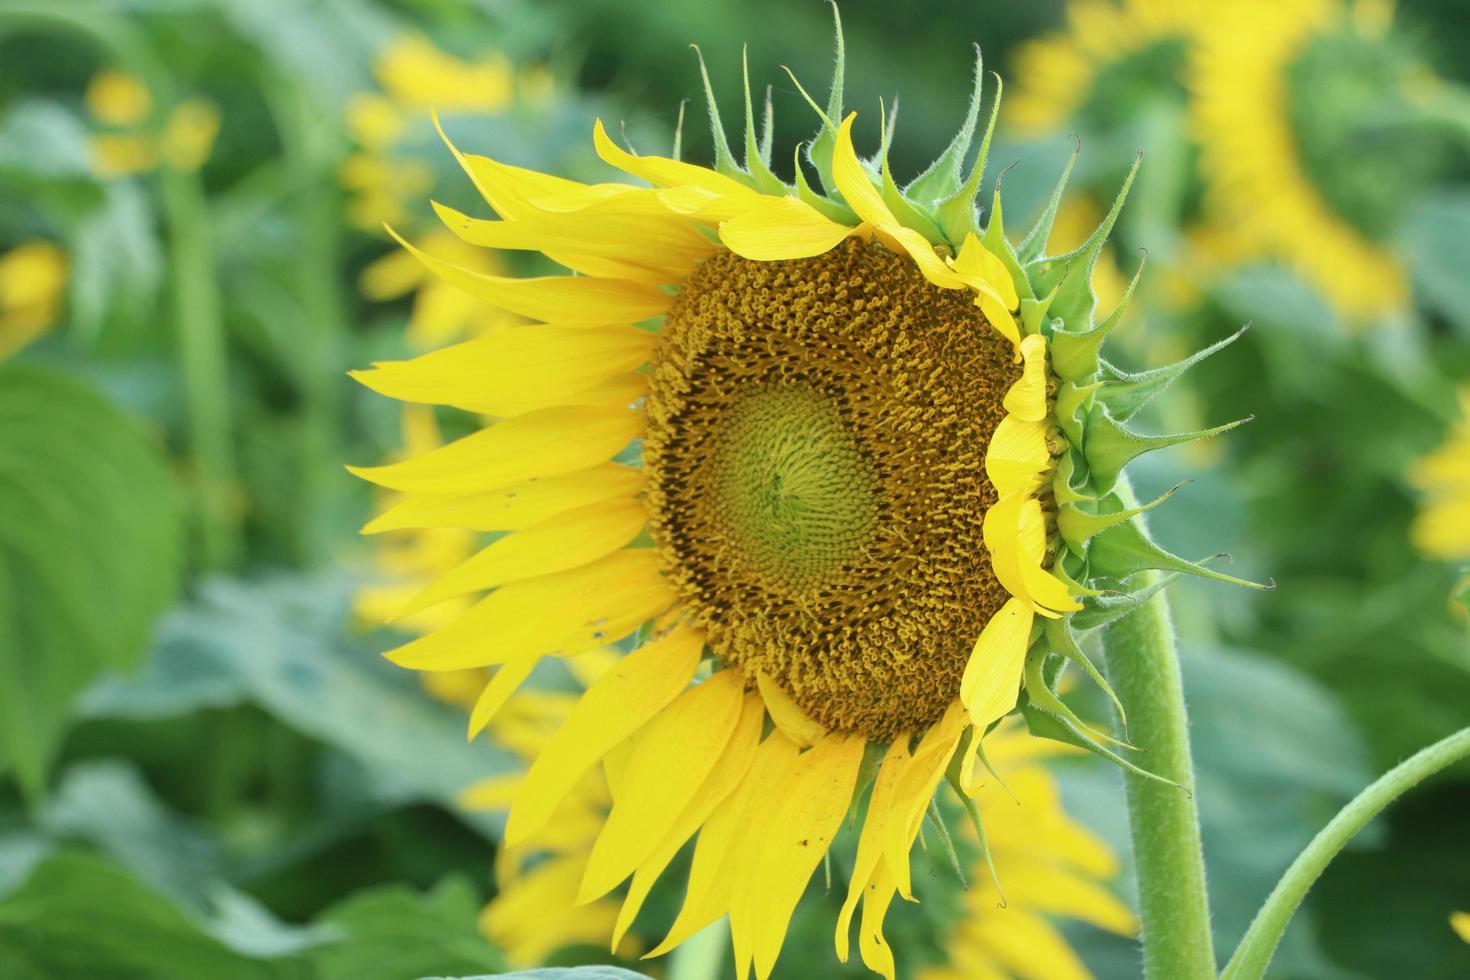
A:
[1437, 239]
[392, 932]
[89, 554]
[80, 915]
[284, 644]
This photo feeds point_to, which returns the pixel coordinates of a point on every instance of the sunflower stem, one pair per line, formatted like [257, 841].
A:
[1254, 953]
[1143, 667]
[702, 955]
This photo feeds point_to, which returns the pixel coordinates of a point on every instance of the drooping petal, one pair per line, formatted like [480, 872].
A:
[1017, 456]
[620, 702]
[868, 864]
[556, 615]
[508, 679]
[915, 789]
[1015, 536]
[992, 678]
[672, 757]
[544, 443]
[726, 777]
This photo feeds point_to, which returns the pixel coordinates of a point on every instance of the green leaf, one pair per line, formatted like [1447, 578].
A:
[1437, 238]
[283, 643]
[392, 932]
[89, 555]
[80, 915]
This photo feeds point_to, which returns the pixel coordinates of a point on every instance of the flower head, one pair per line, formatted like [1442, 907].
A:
[1443, 526]
[32, 280]
[839, 463]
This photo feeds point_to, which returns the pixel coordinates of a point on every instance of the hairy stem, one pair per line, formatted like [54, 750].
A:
[1254, 953]
[1143, 667]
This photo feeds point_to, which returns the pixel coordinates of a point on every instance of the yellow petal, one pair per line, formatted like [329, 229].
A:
[514, 506]
[568, 540]
[777, 228]
[720, 854]
[666, 242]
[567, 300]
[672, 756]
[992, 678]
[876, 954]
[1033, 882]
[803, 814]
[787, 714]
[1027, 398]
[545, 443]
[663, 172]
[1015, 536]
[915, 789]
[977, 260]
[558, 615]
[869, 860]
[999, 317]
[860, 194]
[1017, 456]
[524, 363]
[636, 689]
[726, 777]
[1028, 945]
[508, 679]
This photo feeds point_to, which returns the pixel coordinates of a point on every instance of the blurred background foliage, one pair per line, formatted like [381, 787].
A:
[205, 770]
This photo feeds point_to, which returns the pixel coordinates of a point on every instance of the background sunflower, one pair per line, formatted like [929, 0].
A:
[206, 769]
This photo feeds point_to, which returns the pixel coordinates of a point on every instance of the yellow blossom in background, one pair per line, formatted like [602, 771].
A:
[32, 282]
[1050, 868]
[1262, 188]
[1059, 74]
[122, 104]
[1442, 528]
[1460, 922]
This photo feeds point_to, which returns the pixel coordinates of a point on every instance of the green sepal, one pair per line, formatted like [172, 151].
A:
[1110, 447]
[1062, 489]
[972, 810]
[1076, 355]
[1105, 608]
[1123, 551]
[1073, 271]
[957, 212]
[994, 238]
[1078, 526]
[941, 178]
[1040, 695]
[825, 206]
[1125, 394]
[1059, 569]
[906, 213]
[937, 820]
[1034, 308]
[825, 142]
[1033, 246]
[1045, 725]
[1071, 398]
[677, 152]
[757, 152]
[1058, 636]
[724, 159]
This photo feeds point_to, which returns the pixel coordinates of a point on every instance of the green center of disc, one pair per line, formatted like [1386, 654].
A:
[790, 486]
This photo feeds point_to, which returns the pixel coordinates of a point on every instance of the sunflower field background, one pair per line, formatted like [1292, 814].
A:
[206, 768]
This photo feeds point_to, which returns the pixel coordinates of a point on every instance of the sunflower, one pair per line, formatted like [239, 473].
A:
[839, 465]
[1094, 71]
[1292, 103]
[32, 281]
[1442, 528]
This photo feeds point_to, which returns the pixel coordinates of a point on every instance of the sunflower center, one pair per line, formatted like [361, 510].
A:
[815, 455]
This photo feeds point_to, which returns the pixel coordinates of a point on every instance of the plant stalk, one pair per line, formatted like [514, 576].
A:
[1143, 667]
[1254, 953]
